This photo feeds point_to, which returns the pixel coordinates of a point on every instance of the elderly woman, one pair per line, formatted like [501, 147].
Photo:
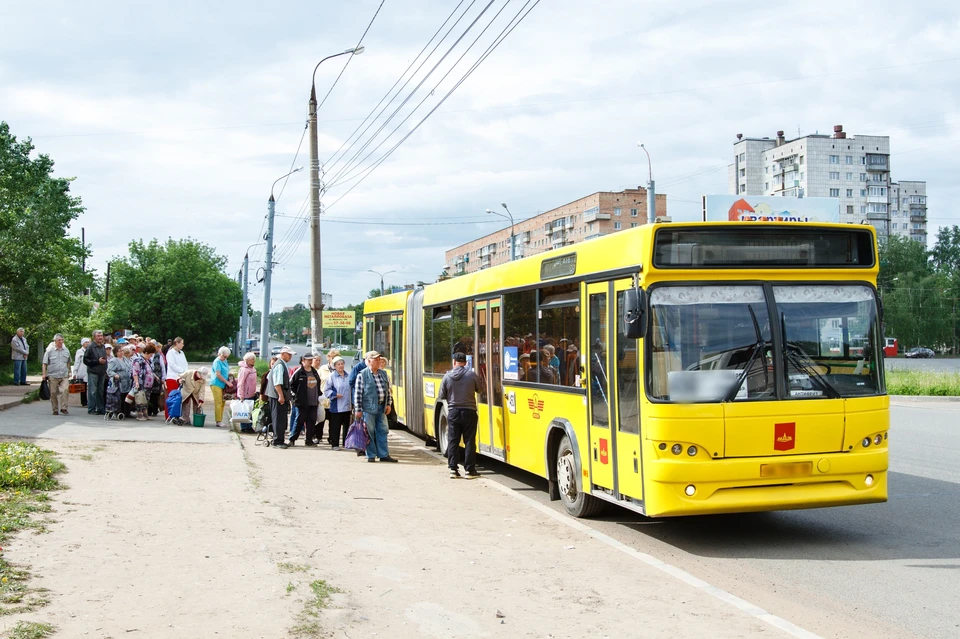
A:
[218, 381]
[120, 369]
[193, 388]
[337, 390]
[80, 369]
[306, 388]
[155, 361]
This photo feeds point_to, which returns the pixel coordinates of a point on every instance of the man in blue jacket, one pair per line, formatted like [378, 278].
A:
[459, 390]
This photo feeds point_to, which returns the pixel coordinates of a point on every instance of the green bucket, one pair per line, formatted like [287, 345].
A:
[198, 419]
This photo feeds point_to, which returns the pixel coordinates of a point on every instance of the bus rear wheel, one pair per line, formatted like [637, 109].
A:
[442, 432]
[574, 500]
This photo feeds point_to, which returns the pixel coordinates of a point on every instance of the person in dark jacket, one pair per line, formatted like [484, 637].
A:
[95, 359]
[459, 389]
[306, 388]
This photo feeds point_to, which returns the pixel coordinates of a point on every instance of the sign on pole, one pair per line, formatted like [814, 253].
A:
[338, 319]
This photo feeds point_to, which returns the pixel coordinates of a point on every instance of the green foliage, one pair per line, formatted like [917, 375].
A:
[939, 384]
[174, 289]
[32, 630]
[41, 279]
[24, 465]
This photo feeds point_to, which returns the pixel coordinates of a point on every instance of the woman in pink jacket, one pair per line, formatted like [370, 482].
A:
[247, 383]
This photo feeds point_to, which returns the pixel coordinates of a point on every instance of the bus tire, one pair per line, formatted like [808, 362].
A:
[575, 501]
[442, 432]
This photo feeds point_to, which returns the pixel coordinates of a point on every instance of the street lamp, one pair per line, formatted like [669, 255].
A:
[508, 216]
[651, 192]
[370, 270]
[268, 270]
[316, 297]
[244, 319]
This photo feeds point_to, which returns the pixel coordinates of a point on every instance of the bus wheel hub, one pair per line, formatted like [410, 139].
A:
[566, 479]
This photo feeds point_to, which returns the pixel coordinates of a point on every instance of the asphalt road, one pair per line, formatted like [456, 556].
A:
[947, 364]
[881, 570]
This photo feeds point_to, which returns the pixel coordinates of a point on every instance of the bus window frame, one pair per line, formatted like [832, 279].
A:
[781, 390]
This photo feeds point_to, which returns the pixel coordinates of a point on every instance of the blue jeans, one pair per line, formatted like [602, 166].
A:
[377, 429]
[19, 371]
[294, 426]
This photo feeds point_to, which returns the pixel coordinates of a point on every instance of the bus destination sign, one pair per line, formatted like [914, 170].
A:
[555, 267]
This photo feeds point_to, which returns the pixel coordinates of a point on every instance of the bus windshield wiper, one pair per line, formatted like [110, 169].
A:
[757, 349]
[791, 354]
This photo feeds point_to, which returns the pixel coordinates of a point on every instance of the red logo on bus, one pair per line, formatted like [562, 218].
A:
[604, 452]
[784, 436]
[536, 405]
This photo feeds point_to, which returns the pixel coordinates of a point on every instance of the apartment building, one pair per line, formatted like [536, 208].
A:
[598, 214]
[853, 169]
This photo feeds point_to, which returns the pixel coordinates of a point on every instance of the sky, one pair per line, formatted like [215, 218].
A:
[175, 119]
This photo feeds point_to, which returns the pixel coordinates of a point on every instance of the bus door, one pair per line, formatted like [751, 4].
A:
[486, 358]
[396, 364]
[595, 351]
[626, 367]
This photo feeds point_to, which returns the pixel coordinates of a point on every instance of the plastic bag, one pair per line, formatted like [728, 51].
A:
[242, 410]
[44, 389]
[357, 437]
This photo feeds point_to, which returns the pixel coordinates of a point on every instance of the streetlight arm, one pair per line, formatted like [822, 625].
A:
[299, 168]
[313, 78]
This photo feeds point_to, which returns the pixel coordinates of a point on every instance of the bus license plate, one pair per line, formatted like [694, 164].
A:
[794, 469]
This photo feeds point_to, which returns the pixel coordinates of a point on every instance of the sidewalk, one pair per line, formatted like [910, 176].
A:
[11, 395]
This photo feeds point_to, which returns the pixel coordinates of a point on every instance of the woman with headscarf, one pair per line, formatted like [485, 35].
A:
[337, 390]
[120, 369]
[155, 361]
[80, 369]
[218, 382]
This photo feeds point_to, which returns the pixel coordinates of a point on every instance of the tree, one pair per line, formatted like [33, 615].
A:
[175, 289]
[946, 251]
[41, 276]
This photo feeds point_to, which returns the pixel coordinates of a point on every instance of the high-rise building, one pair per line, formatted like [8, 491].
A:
[598, 214]
[853, 169]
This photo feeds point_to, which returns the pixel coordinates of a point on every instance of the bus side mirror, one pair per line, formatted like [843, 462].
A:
[633, 322]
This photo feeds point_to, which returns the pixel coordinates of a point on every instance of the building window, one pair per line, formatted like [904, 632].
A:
[834, 159]
[849, 192]
[633, 225]
[801, 159]
[743, 172]
[849, 159]
[850, 209]
[834, 175]
[766, 169]
[801, 175]
[863, 177]
[766, 186]
[743, 157]
[863, 210]
[616, 211]
[849, 175]
[633, 212]
[863, 160]
[894, 226]
[834, 192]
[616, 226]
[863, 193]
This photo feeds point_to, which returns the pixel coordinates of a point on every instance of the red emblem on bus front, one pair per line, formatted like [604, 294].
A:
[536, 405]
[604, 452]
[784, 436]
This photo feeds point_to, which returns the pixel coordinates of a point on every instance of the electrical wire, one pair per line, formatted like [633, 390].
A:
[349, 58]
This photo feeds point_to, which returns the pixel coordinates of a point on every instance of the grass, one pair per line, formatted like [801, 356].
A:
[936, 384]
[307, 624]
[26, 471]
[286, 566]
[31, 630]
[32, 396]
[322, 592]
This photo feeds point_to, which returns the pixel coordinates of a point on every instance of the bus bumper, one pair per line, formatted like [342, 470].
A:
[738, 485]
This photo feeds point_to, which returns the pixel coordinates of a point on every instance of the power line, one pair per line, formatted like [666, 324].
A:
[349, 58]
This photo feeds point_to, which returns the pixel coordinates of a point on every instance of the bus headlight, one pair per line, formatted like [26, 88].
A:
[676, 449]
[878, 440]
[868, 480]
[692, 451]
[866, 442]
[690, 490]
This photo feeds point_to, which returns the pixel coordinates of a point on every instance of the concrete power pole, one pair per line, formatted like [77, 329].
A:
[267, 273]
[651, 191]
[244, 318]
[316, 295]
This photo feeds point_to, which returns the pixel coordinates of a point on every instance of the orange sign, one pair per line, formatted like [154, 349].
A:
[536, 405]
[604, 452]
[785, 436]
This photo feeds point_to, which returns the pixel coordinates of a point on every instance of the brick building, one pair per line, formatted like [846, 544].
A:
[598, 214]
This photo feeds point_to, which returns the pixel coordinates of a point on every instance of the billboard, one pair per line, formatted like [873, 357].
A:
[768, 208]
[338, 319]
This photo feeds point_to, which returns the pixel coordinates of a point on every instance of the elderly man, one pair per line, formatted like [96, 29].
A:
[279, 396]
[56, 370]
[372, 400]
[19, 351]
[95, 359]
[459, 389]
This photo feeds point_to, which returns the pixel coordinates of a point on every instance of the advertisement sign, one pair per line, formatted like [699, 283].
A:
[767, 208]
[338, 319]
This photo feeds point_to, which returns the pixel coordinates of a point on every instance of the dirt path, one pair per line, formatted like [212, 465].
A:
[223, 539]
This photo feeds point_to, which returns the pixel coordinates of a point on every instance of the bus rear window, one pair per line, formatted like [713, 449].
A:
[763, 247]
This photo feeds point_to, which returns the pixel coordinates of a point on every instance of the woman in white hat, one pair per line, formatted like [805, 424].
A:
[337, 390]
[80, 369]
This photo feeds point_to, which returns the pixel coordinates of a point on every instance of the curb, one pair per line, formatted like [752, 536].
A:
[925, 398]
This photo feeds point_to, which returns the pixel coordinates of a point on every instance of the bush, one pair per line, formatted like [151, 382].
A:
[24, 465]
[938, 384]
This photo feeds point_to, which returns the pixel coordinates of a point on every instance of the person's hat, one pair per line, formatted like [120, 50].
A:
[459, 357]
[572, 349]
[333, 352]
[121, 341]
[110, 346]
[337, 359]
[84, 341]
[527, 355]
[564, 339]
[287, 349]
[371, 355]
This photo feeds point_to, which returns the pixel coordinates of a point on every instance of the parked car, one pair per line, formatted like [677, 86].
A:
[275, 350]
[919, 352]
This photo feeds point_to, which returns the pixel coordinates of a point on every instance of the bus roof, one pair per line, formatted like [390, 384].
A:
[387, 303]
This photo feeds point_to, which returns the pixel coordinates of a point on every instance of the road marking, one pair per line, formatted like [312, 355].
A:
[678, 573]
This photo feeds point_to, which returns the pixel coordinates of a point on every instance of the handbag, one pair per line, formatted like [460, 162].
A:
[357, 437]
[130, 398]
[140, 397]
[44, 389]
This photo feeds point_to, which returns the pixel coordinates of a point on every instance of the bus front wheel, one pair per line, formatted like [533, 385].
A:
[442, 432]
[574, 500]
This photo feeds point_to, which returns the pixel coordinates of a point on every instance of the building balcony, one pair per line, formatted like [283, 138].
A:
[877, 216]
[918, 218]
[525, 237]
[878, 167]
[593, 216]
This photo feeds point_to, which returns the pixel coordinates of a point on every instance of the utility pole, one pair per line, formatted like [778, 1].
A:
[267, 274]
[236, 344]
[651, 191]
[244, 319]
[316, 306]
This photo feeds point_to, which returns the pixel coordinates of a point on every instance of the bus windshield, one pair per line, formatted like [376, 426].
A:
[715, 343]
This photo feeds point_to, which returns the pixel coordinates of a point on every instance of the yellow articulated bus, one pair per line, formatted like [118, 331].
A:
[672, 369]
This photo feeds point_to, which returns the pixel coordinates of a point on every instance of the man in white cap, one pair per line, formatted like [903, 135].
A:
[278, 393]
[80, 369]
